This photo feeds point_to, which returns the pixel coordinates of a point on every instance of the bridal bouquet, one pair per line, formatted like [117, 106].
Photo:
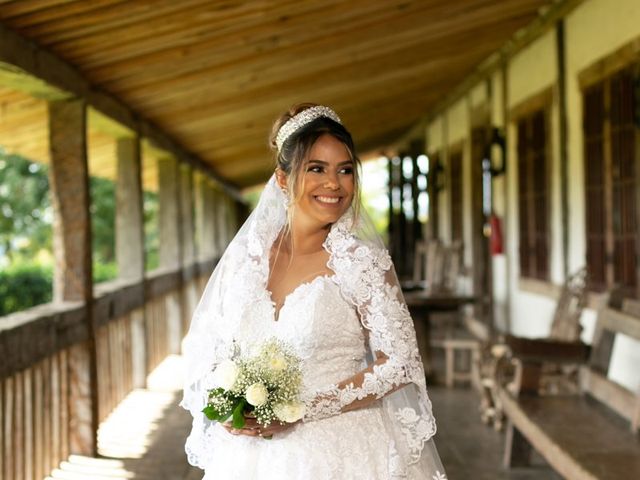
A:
[265, 386]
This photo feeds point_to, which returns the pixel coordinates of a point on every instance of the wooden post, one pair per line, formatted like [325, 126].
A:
[69, 180]
[186, 214]
[563, 139]
[517, 451]
[432, 192]
[129, 217]
[130, 243]
[479, 242]
[189, 293]
[204, 218]
[170, 248]
[169, 213]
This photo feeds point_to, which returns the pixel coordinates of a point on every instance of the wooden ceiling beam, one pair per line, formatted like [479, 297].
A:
[33, 59]
[224, 71]
[270, 25]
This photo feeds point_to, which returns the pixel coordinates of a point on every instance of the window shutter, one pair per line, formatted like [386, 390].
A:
[540, 194]
[523, 196]
[594, 167]
[456, 196]
[623, 174]
[533, 196]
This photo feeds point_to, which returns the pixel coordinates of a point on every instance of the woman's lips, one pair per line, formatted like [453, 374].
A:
[327, 199]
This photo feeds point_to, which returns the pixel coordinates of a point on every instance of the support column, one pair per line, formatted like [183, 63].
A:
[204, 218]
[129, 217]
[169, 229]
[221, 209]
[69, 181]
[211, 220]
[170, 248]
[130, 242]
[189, 290]
[186, 214]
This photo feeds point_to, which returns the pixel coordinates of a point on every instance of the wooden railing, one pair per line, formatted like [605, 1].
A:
[46, 355]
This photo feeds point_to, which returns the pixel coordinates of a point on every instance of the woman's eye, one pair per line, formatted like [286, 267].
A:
[347, 170]
[315, 169]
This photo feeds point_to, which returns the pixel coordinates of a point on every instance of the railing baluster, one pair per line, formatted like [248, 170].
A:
[18, 434]
[8, 428]
[36, 429]
[37, 422]
[64, 405]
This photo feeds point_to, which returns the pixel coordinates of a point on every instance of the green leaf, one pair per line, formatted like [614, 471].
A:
[238, 415]
[211, 413]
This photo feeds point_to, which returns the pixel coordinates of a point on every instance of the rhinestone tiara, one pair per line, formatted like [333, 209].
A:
[301, 119]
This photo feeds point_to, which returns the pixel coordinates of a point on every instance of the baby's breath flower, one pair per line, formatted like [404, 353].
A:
[268, 381]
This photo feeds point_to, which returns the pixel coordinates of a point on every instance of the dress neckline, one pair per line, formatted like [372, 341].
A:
[275, 316]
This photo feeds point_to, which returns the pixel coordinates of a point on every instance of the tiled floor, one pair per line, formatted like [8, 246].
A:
[469, 449]
[144, 438]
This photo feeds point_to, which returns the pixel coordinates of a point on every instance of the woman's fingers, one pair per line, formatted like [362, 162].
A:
[255, 430]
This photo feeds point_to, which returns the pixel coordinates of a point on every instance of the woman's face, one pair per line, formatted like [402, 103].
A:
[326, 184]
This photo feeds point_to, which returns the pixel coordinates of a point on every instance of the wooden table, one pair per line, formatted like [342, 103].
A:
[421, 304]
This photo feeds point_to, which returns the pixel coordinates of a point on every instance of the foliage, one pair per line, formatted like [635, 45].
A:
[104, 271]
[151, 230]
[25, 223]
[23, 286]
[26, 232]
[103, 219]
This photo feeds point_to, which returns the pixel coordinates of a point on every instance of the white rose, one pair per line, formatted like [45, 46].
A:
[289, 412]
[226, 374]
[277, 363]
[256, 394]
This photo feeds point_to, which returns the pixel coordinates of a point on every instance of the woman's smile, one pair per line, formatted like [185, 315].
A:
[327, 185]
[328, 200]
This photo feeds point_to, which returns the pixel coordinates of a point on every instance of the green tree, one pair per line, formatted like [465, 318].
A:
[103, 219]
[25, 223]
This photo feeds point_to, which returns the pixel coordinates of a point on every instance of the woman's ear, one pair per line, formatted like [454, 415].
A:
[281, 178]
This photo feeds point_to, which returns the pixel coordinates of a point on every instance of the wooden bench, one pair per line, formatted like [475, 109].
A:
[565, 327]
[593, 435]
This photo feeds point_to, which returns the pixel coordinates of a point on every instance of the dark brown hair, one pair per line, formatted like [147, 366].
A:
[291, 158]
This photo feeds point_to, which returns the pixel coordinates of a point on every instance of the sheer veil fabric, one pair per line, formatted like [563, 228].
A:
[365, 276]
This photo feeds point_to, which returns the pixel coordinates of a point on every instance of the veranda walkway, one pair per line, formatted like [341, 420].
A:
[143, 438]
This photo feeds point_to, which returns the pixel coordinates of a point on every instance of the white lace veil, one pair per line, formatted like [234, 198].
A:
[365, 275]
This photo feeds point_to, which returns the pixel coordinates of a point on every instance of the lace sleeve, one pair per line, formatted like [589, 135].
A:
[335, 399]
[367, 279]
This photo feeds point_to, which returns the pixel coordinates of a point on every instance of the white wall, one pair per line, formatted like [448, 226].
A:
[595, 29]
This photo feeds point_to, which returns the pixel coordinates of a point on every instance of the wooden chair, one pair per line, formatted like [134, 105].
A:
[590, 435]
[428, 265]
[494, 358]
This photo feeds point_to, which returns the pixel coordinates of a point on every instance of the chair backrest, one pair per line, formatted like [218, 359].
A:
[595, 381]
[419, 260]
[573, 298]
[436, 264]
[451, 267]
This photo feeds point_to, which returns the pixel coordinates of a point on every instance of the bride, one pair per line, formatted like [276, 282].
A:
[308, 268]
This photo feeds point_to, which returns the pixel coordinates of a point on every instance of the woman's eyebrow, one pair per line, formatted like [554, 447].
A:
[322, 162]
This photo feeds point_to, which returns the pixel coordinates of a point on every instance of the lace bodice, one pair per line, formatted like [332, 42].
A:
[321, 327]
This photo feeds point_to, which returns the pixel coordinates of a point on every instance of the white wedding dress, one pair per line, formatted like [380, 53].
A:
[325, 333]
[391, 439]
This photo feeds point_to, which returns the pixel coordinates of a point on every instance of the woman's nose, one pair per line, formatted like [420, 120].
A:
[332, 182]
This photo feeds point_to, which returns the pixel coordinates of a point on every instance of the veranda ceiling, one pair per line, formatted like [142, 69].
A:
[214, 74]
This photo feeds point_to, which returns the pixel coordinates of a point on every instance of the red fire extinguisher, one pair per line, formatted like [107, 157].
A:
[496, 245]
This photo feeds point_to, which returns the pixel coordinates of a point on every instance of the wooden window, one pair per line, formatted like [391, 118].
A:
[533, 195]
[611, 185]
[456, 196]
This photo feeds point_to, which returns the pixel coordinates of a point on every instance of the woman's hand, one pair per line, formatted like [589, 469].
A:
[253, 429]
